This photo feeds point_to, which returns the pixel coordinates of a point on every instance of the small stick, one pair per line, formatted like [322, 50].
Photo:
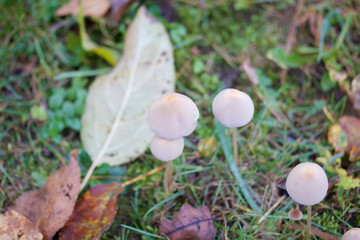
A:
[280, 200]
[168, 177]
[236, 156]
[308, 222]
[155, 170]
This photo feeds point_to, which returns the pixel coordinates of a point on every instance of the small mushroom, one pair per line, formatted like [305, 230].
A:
[307, 184]
[233, 108]
[173, 116]
[352, 234]
[166, 150]
[295, 214]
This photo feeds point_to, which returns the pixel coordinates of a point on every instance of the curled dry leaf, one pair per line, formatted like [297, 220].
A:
[94, 213]
[355, 89]
[51, 206]
[93, 8]
[114, 122]
[13, 225]
[189, 223]
[344, 136]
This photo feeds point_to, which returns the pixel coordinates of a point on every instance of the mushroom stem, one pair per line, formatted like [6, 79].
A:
[168, 177]
[236, 156]
[308, 222]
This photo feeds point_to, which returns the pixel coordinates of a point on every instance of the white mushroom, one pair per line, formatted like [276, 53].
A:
[307, 184]
[173, 116]
[352, 234]
[166, 150]
[233, 108]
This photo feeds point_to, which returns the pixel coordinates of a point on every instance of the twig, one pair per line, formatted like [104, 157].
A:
[280, 200]
[152, 172]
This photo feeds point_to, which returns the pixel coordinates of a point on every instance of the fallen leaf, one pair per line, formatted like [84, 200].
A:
[93, 8]
[189, 223]
[93, 214]
[51, 206]
[118, 8]
[337, 138]
[250, 72]
[16, 226]
[114, 121]
[355, 89]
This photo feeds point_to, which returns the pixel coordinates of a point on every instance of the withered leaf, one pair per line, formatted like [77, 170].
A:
[355, 89]
[94, 8]
[118, 8]
[189, 223]
[94, 213]
[345, 136]
[51, 206]
[13, 225]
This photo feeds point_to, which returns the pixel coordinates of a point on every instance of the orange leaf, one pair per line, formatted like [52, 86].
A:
[51, 206]
[94, 213]
[16, 226]
[189, 223]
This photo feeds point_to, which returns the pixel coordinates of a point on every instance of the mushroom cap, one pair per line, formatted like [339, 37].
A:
[233, 108]
[173, 116]
[307, 183]
[166, 150]
[295, 214]
[352, 234]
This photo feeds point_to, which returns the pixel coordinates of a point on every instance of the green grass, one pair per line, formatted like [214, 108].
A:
[223, 33]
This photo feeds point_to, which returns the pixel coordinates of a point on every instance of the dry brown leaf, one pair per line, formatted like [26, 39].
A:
[93, 8]
[118, 8]
[189, 223]
[250, 72]
[13, 225]
[51, 206]
[355, 89]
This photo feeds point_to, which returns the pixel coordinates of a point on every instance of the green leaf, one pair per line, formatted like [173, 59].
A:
[326, 83]
[198, 66]
[293, 60]
[108, 54]
[39, 112]
[57, 98]
[68, 109]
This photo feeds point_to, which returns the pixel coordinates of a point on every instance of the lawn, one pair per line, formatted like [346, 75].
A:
[298, 60]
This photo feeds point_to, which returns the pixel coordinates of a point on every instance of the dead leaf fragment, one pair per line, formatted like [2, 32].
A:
[51, 206]
[189, 223]
[93, 8]
[94, 213]
[355, 89]
[118, 8]
[16, 226]
[345, 136]
[250, 72]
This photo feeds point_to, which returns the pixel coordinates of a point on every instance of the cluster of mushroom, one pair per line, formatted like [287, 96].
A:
[171, 117]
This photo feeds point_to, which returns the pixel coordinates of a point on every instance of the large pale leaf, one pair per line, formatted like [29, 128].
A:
[114, 122]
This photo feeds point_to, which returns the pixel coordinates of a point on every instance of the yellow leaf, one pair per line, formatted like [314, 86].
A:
[348, 182]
